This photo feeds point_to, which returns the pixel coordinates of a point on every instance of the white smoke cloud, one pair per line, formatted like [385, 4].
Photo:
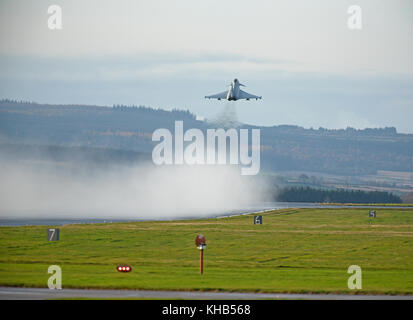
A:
[227, 118]
[140, 192]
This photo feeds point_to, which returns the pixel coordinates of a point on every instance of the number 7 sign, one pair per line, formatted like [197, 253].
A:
[52, 234]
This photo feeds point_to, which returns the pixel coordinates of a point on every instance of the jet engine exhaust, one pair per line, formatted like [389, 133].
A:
[227, 118]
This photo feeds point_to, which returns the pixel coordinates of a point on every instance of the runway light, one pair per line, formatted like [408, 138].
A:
[124, 268]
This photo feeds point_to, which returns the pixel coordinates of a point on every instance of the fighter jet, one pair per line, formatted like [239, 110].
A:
[234, 93]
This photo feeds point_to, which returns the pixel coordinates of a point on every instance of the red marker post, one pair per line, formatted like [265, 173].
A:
[201, 245]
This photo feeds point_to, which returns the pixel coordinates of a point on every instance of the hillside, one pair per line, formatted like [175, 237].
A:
[285, 148]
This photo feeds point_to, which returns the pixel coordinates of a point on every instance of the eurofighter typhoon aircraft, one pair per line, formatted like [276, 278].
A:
[234, 93]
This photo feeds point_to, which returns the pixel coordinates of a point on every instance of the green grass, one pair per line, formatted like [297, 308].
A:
[295, 250]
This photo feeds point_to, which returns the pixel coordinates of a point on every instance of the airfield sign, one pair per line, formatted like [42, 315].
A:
[257, 219]
[200, 242]
[52, 234]
[372, 214]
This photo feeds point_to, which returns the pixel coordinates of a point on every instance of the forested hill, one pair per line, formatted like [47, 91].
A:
[306, 194]
[130, 128]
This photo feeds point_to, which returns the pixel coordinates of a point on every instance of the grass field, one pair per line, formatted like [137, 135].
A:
[295, 250]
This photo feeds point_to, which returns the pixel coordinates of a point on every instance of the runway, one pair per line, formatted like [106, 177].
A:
[257, 208]
[14, 293]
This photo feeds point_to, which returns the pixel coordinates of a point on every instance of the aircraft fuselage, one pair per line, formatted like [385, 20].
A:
[233, 92]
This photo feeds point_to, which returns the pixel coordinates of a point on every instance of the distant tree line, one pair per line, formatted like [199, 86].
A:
[307, 194]
[13, 101]
[348, 131]
[184, 114]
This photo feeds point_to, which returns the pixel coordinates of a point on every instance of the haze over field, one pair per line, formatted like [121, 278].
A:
[44, 189]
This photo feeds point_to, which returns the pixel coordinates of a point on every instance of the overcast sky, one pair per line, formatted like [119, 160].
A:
[310, 68]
